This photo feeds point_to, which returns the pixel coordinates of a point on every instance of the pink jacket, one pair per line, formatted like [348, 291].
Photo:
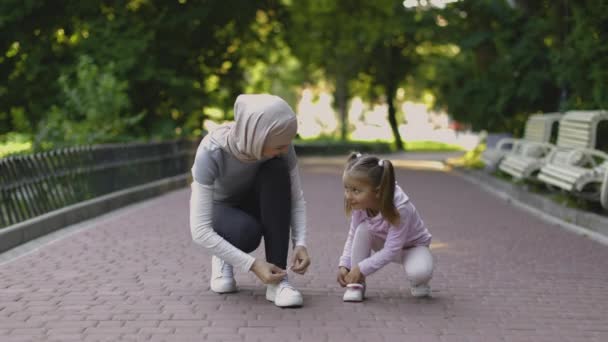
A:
[410, 232]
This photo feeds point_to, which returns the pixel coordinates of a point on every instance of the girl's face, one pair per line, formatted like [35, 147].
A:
[273, 151]
[359, 193]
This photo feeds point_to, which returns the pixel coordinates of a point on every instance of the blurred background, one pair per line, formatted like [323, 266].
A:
[419, 74]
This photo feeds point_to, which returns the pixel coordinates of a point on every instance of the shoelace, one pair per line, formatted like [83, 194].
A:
[227, 270]
[285, 283]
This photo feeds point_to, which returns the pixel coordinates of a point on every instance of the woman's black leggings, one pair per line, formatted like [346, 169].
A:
[265, 212]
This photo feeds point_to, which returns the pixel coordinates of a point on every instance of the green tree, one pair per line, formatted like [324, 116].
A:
[581, 61]
[395, 55]
[335, 37]
[177, 57]
[502, 70]
[95, 109]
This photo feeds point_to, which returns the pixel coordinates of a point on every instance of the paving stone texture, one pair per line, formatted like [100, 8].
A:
[501, 275]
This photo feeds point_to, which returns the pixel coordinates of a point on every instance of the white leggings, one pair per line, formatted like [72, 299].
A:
[417, 261]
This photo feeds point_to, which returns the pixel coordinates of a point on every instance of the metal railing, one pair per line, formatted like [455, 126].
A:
[36, 184]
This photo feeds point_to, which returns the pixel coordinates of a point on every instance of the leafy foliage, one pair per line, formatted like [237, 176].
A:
[170, 59]
[540, 56]
[171, 64]
[95, 109]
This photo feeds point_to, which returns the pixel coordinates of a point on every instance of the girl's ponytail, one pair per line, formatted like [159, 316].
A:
[386, 190]
[352, 157]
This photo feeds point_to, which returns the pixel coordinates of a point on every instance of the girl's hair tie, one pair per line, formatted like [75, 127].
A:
[358, 155]
[380, 162]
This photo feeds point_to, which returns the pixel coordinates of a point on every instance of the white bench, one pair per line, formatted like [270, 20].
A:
[580, 171]
[574, 173]
[576, 130]
[538, 130]
[604, 192]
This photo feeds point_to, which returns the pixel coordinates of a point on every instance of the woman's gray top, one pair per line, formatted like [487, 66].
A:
[220, 177]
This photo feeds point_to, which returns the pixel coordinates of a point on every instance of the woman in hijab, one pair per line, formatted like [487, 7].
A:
[246, 186]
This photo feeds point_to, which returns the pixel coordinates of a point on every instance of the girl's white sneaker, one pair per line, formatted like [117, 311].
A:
[222, 276]
[284, 295]
[354, 293]
[419, 291]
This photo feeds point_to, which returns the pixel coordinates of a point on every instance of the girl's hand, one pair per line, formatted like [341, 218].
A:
[267, 272]
[355, 276]
[301, 260]
[342, 272]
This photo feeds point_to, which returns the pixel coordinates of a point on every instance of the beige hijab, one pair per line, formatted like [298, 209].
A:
[259, 120]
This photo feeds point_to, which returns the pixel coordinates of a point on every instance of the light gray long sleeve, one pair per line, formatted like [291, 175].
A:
[298, 210]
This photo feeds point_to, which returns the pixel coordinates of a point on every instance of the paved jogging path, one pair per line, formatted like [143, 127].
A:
[135, 275]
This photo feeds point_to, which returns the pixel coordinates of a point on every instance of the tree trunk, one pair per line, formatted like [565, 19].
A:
[391, 91]
[341, 99]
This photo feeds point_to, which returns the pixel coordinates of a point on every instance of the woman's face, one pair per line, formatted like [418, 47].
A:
[274, 151]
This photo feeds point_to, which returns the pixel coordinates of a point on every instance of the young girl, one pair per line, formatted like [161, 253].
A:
[246, 186]
[384, 220]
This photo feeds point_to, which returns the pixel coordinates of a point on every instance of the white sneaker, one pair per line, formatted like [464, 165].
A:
[354, 293]
[222, 276]
[423, 290]
[284, 295]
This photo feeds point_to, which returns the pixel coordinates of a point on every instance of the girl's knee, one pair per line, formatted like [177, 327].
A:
[419, 275]
[419, 265]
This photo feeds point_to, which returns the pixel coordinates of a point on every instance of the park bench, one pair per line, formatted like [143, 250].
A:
[604, 192]
[539, 129]
[581, 171]
[576, 130]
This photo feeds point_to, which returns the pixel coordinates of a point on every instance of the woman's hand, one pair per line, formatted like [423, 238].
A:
[267, 272]
[342, 272]
[355, 276]
[301, 260]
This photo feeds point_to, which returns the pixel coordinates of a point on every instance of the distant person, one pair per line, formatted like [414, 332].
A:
[384, 220]
[247, 187]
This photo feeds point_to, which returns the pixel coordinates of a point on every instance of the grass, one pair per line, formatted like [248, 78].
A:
[18, 143]
[471, 159]
[430, 146]
[333, 147]
[383, 144]
[15, 143]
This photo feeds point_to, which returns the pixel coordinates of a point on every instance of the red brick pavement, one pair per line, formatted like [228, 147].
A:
[502, 275]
